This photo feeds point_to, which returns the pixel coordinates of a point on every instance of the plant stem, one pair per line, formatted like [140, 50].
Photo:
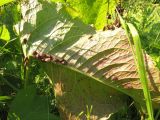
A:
[26, 72]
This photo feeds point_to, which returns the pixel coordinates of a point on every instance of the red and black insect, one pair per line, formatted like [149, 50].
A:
[120, 9]
[109, 16]
[49, 58]
[24, 41]
[117, 22]
[90, 36]
[109, 27]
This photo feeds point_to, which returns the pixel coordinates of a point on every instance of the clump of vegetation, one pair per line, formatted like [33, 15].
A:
[65, 59]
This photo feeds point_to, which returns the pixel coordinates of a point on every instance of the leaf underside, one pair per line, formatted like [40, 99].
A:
[100, 63]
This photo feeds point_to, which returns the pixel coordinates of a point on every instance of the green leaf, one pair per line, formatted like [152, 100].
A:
[28, 105]
[2, 2]
[4, 98]
[59, 1]
[4, 33]
[91, 11]
[145, 18]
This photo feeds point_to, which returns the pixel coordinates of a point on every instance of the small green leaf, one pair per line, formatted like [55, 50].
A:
[28, 105]
[4, 33]
[2, 2]
[72, 12]
[4, 98]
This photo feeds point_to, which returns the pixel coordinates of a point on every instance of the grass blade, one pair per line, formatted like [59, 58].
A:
[141, 69]
[138, 56]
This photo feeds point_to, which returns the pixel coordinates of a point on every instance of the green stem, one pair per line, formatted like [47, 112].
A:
[107, 11]
[26, 72]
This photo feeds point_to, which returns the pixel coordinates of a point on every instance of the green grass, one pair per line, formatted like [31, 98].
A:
[141, 69]
[139, 60]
